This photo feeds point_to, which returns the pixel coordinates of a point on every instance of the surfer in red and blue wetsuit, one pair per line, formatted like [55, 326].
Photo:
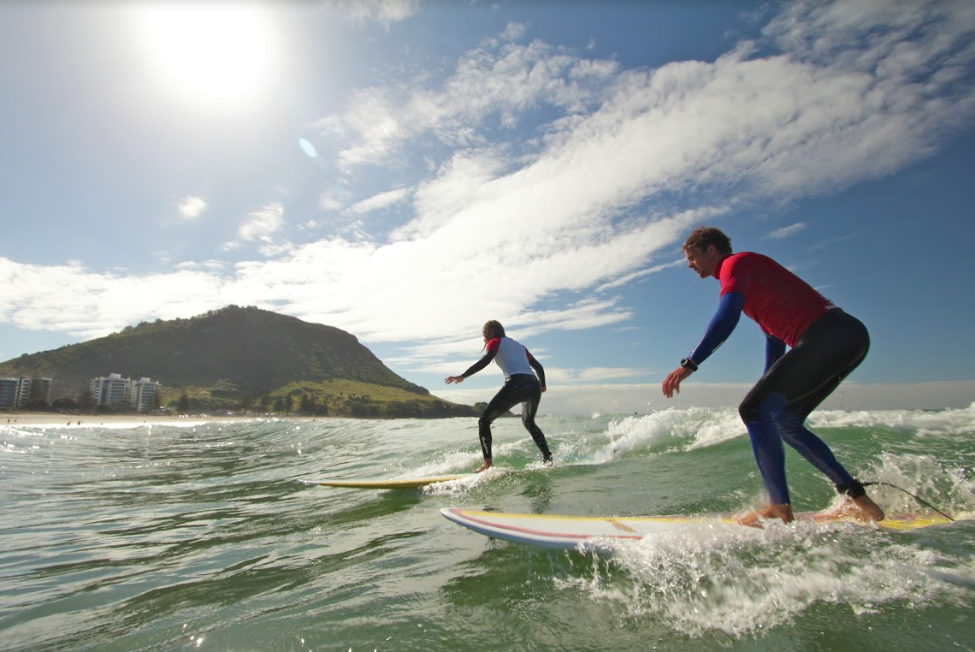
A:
[826, 345]
[521, 385]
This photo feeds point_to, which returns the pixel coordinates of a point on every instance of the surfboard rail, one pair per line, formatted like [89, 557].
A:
[601, 532]
[414, 483]
[399, 483]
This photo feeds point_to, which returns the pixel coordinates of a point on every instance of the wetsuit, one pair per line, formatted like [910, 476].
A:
[520, 386]
[826, 345]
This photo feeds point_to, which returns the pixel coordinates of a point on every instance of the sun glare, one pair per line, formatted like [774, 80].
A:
[213, 54]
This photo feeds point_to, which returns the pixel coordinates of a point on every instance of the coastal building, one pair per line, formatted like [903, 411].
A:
[112, 391]
[40, 388]
[146, 395]
[15, 392]
[119, 393]
[9, 393]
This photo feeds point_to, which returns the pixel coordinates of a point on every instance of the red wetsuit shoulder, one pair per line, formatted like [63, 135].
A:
[782, 304]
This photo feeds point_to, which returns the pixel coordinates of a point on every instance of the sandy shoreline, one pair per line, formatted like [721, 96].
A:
[46, 419]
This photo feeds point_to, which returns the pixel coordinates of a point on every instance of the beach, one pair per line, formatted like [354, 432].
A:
[114, 420]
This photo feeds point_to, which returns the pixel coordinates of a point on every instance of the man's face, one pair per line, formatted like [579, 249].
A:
[703, 261]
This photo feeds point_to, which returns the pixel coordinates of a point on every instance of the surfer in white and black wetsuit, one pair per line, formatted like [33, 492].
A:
[521, 385]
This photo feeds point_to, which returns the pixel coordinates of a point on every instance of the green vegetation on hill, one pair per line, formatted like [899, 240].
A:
[240, 358]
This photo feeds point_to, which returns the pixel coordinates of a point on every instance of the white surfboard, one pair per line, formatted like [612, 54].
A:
[601, 532]
[402, 483]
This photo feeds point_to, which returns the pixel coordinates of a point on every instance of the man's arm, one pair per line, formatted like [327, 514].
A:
[722, 324]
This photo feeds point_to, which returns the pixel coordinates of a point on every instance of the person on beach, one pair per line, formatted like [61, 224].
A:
[826, 345]
[521, 385]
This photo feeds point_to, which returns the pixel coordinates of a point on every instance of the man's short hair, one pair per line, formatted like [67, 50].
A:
[704, 236]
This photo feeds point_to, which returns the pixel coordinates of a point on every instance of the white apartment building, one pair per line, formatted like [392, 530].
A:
[144, 395]
[120, 393]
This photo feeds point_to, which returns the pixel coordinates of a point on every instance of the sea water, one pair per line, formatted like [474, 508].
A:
[198, 536]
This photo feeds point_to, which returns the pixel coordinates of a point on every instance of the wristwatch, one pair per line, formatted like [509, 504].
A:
[687, 363]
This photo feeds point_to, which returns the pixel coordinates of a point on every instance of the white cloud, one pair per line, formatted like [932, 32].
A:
[190, 208]
[262, 224]
[629, 278]
[384, 12]
[379, 202]
[787, 231]
[205, 265]
[501, 79]
[330, 203]
[454, 187]
[514, 31]
[82, 303]
[590, 375]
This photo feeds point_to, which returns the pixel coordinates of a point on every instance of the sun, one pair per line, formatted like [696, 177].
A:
[213, 54]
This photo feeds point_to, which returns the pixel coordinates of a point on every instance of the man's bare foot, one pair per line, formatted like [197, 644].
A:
[870, 508]
[483, 467]
[754, 518]
[860, 508]
[751, 519]
[549, 463]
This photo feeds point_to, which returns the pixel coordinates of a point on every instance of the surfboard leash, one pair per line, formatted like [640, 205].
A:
[914, 496]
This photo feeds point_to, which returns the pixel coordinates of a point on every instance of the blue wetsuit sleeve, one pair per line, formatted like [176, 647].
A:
[724, 321]
[774, 349]
[480, 364]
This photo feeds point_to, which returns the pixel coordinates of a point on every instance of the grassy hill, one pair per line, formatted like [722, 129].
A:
[240, 356]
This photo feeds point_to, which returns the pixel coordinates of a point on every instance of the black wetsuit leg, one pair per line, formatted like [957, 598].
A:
[519, 388]
[775, 409]
[830, 349]
[528, 410]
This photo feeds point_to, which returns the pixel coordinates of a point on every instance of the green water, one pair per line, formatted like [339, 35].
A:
[199, 537]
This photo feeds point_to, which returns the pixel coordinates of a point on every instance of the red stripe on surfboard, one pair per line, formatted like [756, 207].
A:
[541, 533]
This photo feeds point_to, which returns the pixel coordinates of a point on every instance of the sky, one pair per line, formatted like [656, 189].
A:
[406, 170]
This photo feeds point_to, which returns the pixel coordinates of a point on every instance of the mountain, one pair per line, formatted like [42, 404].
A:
[225, 355]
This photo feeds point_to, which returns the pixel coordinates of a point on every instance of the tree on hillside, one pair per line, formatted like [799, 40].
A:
[87, 399]
[65, 404]
[36, 405]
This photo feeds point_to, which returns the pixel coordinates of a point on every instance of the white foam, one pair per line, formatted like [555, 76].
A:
[698, 427]
[921, 422]
[742, 581]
